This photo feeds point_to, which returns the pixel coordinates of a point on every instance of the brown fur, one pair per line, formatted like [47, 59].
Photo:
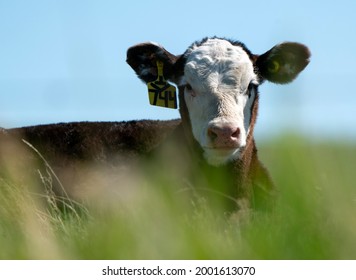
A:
[73, 150]
[95, 141]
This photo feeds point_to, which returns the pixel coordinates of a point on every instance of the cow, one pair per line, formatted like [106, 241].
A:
[218, 82]
[211, 148]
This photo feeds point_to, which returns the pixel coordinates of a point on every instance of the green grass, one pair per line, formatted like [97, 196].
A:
[315, 215]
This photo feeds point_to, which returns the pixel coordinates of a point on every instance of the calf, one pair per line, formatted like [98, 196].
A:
[218, 83]
[213, 142]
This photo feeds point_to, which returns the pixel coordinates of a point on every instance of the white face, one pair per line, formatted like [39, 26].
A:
[218, 76]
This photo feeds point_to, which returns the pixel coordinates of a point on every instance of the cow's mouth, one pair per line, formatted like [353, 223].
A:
[221, 155]
[222, 150]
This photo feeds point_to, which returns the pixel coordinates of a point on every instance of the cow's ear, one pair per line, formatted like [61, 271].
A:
[283, 63]
[143, 59]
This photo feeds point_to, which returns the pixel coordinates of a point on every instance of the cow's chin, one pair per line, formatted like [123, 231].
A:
[221, 156]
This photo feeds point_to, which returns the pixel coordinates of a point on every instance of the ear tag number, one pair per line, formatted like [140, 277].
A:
[160, 92]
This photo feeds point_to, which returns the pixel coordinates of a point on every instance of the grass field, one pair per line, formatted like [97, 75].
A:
[315, 216]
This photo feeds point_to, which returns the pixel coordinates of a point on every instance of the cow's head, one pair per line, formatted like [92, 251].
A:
[218, 81]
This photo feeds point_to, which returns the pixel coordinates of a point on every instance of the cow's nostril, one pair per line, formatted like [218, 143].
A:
[212, 135]
[236, 133]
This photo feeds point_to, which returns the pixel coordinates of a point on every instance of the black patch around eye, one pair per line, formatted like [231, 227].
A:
[188, 87]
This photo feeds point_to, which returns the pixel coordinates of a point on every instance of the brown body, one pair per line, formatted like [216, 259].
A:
[74, 149]
[106, 142]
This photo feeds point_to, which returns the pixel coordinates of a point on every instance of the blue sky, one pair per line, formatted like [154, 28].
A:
[64, 61]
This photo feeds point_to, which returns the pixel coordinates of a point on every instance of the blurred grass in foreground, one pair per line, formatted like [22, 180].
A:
[315, 215]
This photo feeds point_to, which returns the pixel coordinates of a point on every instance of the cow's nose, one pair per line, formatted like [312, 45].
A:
[224, 136]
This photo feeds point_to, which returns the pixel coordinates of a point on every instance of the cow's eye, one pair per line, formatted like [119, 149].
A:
[189, 90]
[250, 88]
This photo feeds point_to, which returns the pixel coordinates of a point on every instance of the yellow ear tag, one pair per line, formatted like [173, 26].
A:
[160, 92]
[274, 67]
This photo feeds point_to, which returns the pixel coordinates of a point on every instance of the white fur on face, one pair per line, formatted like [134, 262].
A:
[217, 75]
